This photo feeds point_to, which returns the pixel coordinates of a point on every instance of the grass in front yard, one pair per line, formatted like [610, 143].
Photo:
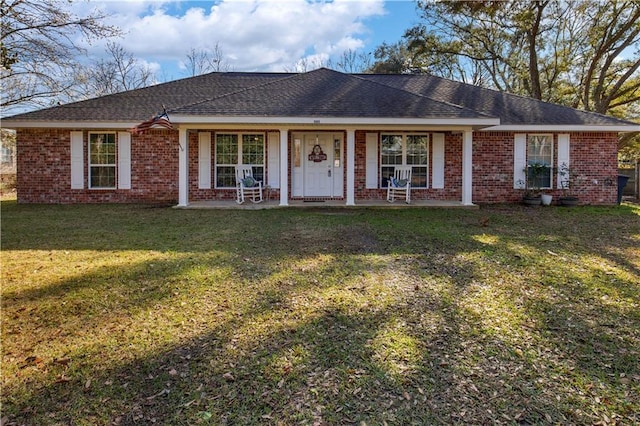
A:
[137, 315]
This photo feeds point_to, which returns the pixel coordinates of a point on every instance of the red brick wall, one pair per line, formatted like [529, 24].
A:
[493, 168]
[44, 169]
[593, 157]
[154, 167]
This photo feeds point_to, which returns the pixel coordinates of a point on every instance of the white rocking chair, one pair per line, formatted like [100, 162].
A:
[400, 185]
[247, 186]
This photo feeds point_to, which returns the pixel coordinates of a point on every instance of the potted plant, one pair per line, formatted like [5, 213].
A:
[534, 172]
[531, 197]
[567, 181]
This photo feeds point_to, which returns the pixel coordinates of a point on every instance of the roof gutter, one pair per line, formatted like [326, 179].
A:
[209, 121]
[617, 128]
[39, 124]
[482, 124]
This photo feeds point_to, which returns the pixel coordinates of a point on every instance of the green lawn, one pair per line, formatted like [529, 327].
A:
[501, 315]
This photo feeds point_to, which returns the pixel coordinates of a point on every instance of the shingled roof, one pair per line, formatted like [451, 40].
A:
[139, 104]
[318, 93]
[512, 109]
[326, 93]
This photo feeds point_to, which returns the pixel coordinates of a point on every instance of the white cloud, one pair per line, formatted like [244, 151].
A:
[252, 34]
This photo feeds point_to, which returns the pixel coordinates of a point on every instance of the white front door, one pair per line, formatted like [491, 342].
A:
[318, 165]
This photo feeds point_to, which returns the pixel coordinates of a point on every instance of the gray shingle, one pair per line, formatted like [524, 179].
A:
[322, 93]
[512, 109]
[140, 104]
[326, 93]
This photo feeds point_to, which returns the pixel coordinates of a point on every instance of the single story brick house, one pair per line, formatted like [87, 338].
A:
[463, 143]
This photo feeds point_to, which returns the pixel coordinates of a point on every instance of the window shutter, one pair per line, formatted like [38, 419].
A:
[204, 160]
[563, 157]
[273, 160]
[519, 160]
[437, 176]
[372, 161]
[124, 160]
[77, 161]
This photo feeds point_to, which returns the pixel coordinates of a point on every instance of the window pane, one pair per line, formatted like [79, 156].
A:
[539, 179]
[387, 173]
[258, 173]
[539, 149]
[225, 176]
[540, 153]
[419, 177]
[414, 151]
[253, 149]
[226, 149]
[102, 148]
[417, 148]
[103, 177]
[102, 160]
[391, 149]
[233, 149]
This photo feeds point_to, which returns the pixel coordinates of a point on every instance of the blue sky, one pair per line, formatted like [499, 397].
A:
[253, 35]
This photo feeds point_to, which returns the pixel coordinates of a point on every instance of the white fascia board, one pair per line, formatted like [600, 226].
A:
[353, 121]
[325, 127]
[209, 121]
[19, 124]
[621, 128]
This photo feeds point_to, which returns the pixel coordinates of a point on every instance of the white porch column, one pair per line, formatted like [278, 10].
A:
[351, 166]
[183, 168]
[467, 168]
[284, 167]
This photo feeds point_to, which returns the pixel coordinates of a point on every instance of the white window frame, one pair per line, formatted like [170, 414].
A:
[114, 165]
[404, 136]
[551, 139]
[239, 155]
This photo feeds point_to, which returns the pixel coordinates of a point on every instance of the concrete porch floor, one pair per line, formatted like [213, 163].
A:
[273, 204]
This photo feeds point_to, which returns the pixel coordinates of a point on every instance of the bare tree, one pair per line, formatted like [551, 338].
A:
[352, 61]
[217, 61]
[308, 64]
[39, 50]
[119, 72]
[197, 62]
[202, 61]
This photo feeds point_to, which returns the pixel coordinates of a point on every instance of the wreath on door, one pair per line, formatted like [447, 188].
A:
[317, 155]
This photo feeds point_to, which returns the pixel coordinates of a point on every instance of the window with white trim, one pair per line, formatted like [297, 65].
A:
[234, 149]
[102, 160]
[405, 150]
[539, 161]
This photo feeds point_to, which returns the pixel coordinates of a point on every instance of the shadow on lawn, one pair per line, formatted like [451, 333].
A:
[327, 367]
[342, 348]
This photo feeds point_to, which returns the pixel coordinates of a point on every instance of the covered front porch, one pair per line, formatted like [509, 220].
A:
[349, 163]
